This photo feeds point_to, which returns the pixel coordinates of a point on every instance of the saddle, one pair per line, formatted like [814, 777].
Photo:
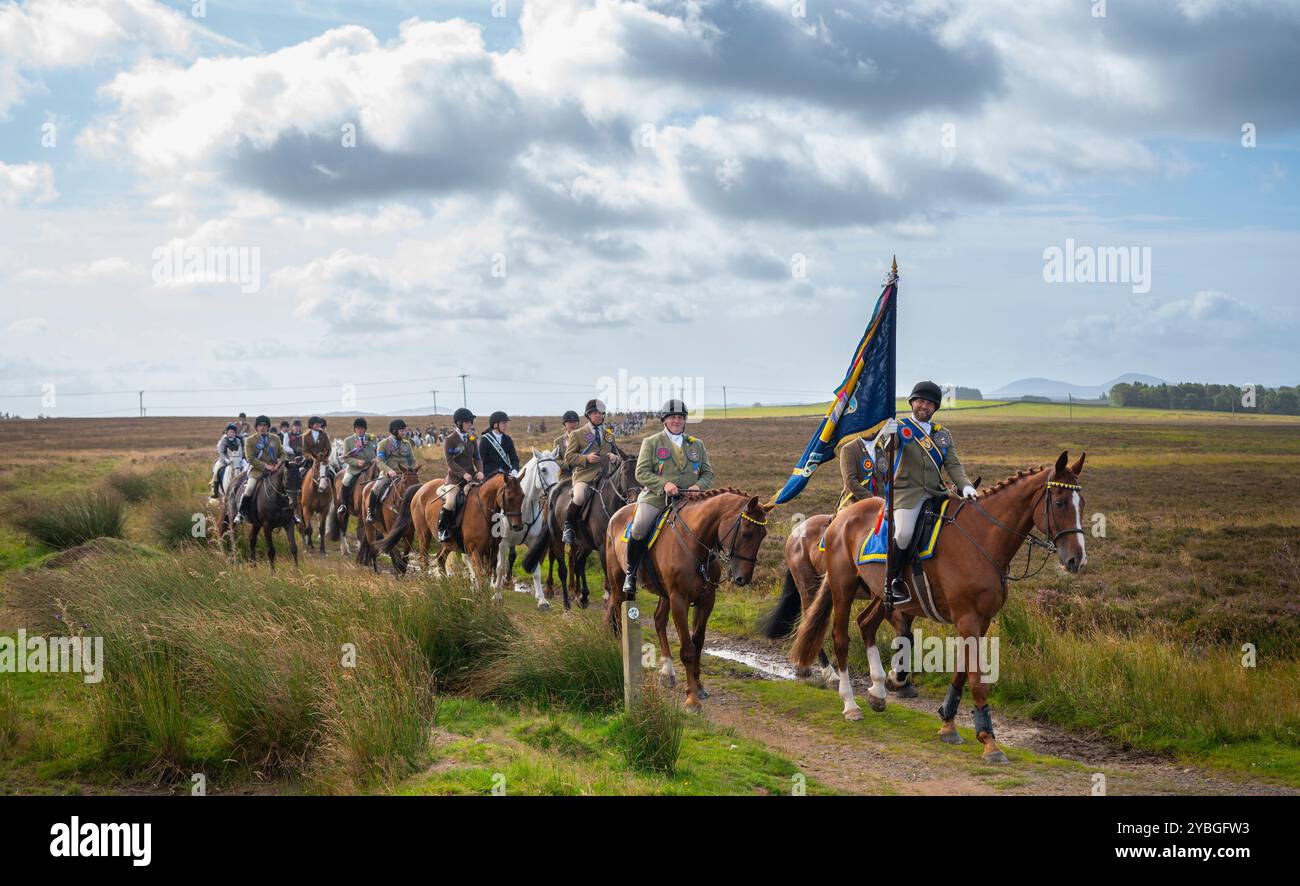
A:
[654, 533]
[925, 539]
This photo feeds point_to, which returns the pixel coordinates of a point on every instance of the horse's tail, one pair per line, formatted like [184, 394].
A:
[778, 621]
[332, 528]
[812, 630]
[389, 541]
[537, 550]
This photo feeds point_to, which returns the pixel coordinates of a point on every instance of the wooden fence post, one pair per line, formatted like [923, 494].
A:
[631, 634]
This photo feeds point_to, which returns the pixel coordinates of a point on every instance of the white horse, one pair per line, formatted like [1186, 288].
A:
[538, 477]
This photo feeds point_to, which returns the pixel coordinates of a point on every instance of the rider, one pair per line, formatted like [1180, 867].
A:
[496, 450]
[358, 455]
[857, 468]
[230, 451]
[584, 450]
[916, 477]
[244, 429]
[669, 461]
[570, 425]
[264, 452]
[394, 454]
[316, 443]
[463, 467]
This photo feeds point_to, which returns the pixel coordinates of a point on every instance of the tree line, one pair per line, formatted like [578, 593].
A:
[1284, 400]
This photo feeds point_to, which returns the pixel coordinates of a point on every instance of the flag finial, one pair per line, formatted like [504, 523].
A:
[894, 269]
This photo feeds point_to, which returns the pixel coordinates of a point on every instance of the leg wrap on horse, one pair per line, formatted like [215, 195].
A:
[951, 702]
[983, 720]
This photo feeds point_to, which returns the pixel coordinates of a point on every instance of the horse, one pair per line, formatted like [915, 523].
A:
[609, 492]
[274, 507]
[537, 477]
[369, 532]
[316, 500]
[353, 503]
[703, 530]
[418, 514]
[968, 575]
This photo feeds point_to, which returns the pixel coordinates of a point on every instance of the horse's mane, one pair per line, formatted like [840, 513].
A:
[1008, 481]
[700, 494]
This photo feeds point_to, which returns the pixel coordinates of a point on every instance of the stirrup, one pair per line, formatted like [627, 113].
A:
[629, 585]
[899, 593]
[568, 534]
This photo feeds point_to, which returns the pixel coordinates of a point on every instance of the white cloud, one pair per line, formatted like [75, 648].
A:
[26, 183]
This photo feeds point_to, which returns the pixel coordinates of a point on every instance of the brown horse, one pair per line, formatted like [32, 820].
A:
[273, 507]
[369, 532]
[968, 575]
[354, 503]
[703, 530]
[805, 564]
[610, 491]
[316, 500]
[498, 496]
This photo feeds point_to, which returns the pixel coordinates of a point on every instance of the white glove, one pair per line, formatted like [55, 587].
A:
[970, 493]
[889, 428]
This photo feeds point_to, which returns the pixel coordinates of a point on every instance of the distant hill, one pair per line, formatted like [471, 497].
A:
[1059, 390]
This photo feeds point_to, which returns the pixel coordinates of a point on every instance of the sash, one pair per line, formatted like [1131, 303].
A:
[909, 431]
[505, 459]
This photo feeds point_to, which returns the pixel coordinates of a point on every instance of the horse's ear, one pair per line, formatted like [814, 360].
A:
[536, 454]
[1060, 462]
[768, 506]
[1077, 467]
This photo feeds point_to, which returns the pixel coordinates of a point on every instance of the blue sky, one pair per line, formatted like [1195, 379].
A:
[578, 187]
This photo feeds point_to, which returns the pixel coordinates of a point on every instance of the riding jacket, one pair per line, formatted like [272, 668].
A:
[491, 459]
[661, 461]
[917, 478]
[359, 452]
[462, 456]
[263, 451]
[395, 455]
[584, 441]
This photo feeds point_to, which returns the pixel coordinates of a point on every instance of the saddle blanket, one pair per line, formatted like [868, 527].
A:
[659, 524]
[874, 545]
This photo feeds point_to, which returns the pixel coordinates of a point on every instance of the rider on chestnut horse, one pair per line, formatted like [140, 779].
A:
[584, 450]
[394, 455]
[264, 452]
[669, 462]
[358, 455]
[570, 422]
[923, 448]
[463, 467]
[316, 443]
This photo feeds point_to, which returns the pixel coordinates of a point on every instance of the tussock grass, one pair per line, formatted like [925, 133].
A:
[171, 522]
[572, 662]
[133, 486]
[650, 735]
[9, 719]
[73, 519]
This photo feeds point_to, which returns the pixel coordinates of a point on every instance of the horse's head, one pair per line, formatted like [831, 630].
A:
[741, 538]
[625, 480]
[1061, 519]
[510, 501]
[547, 468]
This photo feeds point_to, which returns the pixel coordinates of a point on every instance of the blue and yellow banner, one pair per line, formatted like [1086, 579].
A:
[863, 400]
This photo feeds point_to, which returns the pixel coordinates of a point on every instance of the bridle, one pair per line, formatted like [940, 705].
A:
[721, 552]
[1047, 542]
[608, 480]
[545, 494]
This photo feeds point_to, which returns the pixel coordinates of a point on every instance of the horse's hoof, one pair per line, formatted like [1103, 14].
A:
[583, 603]
[543, 606]
[853, 713]
[702, 692]
[995, 756]
[951, 737]
[668, 681]
[803, 673]
[498, 599]
[907, 691]
[877, 704]
[694, 707]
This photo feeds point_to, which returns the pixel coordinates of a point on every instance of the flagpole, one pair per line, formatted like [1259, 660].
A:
[889, 464]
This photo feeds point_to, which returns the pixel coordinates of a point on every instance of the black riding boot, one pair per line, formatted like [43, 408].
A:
[570, 521]
[636, 548]
[445, 518]
[898, 592]
[345, 497]
[371, 503]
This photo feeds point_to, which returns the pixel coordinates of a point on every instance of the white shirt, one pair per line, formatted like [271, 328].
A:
[676, 438]
[923, 425]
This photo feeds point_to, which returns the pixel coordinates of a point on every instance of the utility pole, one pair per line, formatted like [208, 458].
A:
[724, 401]
[464, 397]
[142, 404]
[435, 403]
[1070, 397]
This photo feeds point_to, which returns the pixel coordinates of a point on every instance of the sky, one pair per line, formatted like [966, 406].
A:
[301, 207]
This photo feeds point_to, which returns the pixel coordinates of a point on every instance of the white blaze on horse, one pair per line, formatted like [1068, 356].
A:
[537, 477]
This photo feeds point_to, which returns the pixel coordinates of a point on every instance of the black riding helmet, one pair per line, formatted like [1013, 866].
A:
[395, 425]
[927, 390]
[462, 415]
[360, 423]
[261, 420]
[570, 416]
[232, 427]
[673, 407]
[497, 416]
[315, 420]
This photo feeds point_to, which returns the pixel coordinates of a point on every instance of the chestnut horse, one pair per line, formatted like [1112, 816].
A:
[498, 495]
[369, 532]
[703, 531]
[805, 564]
[316, 500]
[968, 575]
